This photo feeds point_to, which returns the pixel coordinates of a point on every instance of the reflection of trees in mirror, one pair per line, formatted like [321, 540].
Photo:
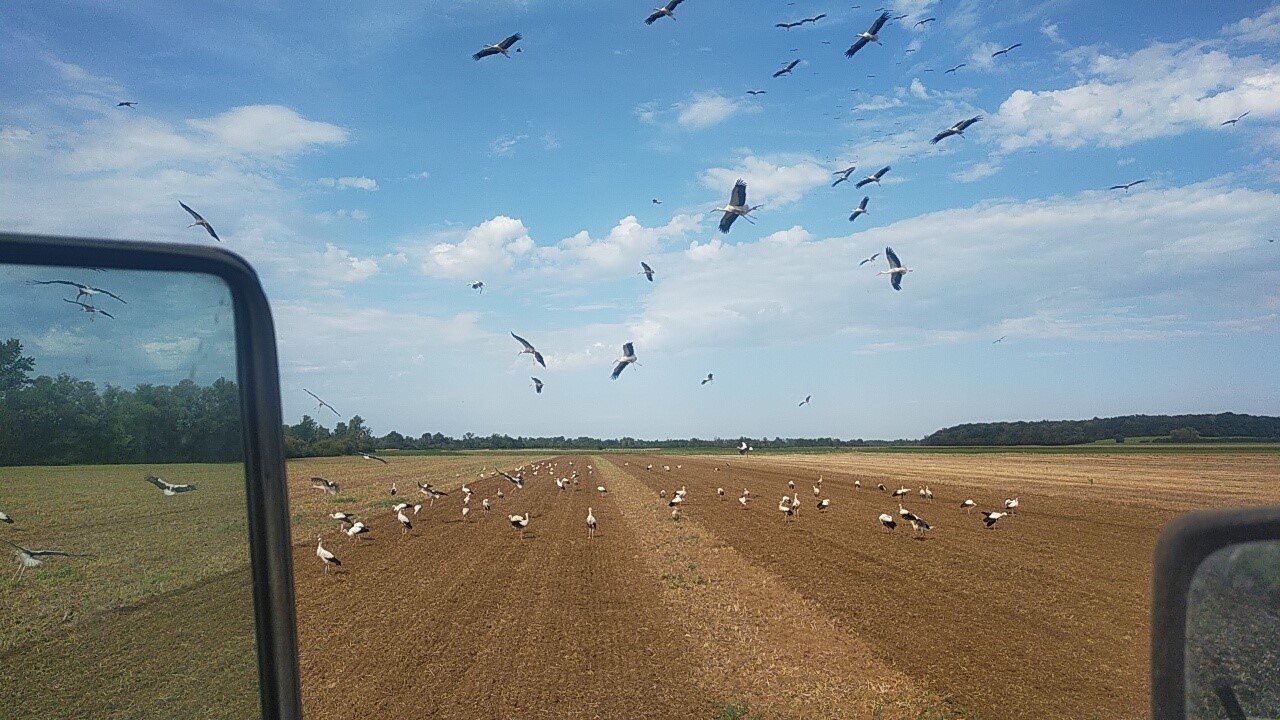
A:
[1233, 630]
[60, 420]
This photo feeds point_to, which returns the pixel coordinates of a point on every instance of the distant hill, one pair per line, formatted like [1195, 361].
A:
[1177, 428]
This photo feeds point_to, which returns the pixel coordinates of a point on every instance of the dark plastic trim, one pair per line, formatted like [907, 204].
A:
[258, 376]
[1183, 545]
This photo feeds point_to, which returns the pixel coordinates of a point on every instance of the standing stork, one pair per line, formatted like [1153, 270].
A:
[486, 505]
[901, 492]
[887, 521]
[870, 36]
[967, 505]
[919, 525]
[737, 206]
[784, 507]
[405, 523]
[857, 484]
[529, 348]
[199, 221]
[628, 357]
[591, 524]
[823, 504]
[743, 448]
[990, 517]
[1010, 505]
[500, 48]
[357, 530]
[896, 270]
[667, 10]
[719, 492]
[327, 557]
[519, 523]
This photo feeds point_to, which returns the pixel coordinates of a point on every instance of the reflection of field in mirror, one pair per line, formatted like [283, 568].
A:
[826, 615]
[152, 617]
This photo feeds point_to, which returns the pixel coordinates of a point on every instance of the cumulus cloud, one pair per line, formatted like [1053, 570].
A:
[270, 130]
[362, 183]
[627, 242]
[778, 179]
[1158, 91]
[706, 109]
[1262, 28]
[978, 171]
[492, 245]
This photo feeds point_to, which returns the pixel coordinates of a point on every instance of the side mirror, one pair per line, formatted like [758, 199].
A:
[143, 508]
[1215, 630]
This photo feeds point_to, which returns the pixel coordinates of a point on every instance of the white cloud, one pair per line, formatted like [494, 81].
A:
[81, 80]
[1051, 31]
[769, 179]
[344, 267]
[490, 246]
[362, 183]
[1159, 91]
[627, 243]
[706, 109]
[550, 141]
[1262, 28]
[420, 175]
[978, 171]
[505, 146]
[269, 130]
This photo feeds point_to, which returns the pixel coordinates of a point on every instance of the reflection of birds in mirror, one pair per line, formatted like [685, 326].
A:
[322, 404]
[169, 488]
[200, 221]
[82, 290]
[90, 309]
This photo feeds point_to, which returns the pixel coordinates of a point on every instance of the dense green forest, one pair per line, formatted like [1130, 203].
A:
[62, 420]
[1168, 428]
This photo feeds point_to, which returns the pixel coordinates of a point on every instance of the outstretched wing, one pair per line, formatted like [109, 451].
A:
[193, 213]
[892, 257]
[964, 124]
[942, 136]
[855, 47]
[738, 196]
[538, 356]
[879, 23]
[523, 342]
[511, 40]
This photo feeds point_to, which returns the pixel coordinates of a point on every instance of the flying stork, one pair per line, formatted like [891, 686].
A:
[736, 208]
[28, 558]
[528, 348]
[756, 92]
[322, 404]
[89, 308]
[805, 401]
[478, 285]
[199, 221]
[328, 487]
[647, 271]
[371, 456]
[169, 488]
[1234, 120]
[786, 69]
[924, 21]
[501, 47]
[1126, 186]
[127, 103]
[707, 379]
[667, 10]
[325, 556]
[870, 259]
[515, 480]
[628, 357]
[896, 270]
[82, 290]
[537, 384]
[873, 178]
[860, 210]
[1005, 51]
[871, 35]
[844, 174]
[951, 71]
[957, 129]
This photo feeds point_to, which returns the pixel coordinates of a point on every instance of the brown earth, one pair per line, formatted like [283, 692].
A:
[828, 616]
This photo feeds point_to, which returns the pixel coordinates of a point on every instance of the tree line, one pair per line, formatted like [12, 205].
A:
[1167, 428]
[62, 420]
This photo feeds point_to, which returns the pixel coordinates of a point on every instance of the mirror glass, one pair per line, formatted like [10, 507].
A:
[1233, 634]
[126, 590]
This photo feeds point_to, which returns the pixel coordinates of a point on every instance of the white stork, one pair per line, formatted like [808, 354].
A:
[1005, 51]
[896, 270]
[919, 525]
[345, 518]
[844, 174]
[1010, 505]
[371, 456]
[707, 379]
[647, 271]
[628, 357]
[743, 448]
[591, 524]
[871, 35]
[887, 521]
[719, 491]
[405, 523]
[357, 530]
[28, 558]
[857, 484]
[990, 517]
[817, 491]
[529, 348]
[466, 511]
[199, 221]
[170, 488]
[737, 206]
[967, 505]
[786, 70]
[486, 505]
[870, 259]
[519, 523]
[743, 502]
[82, 290]
[478, 285]
[322, 404]
[861, 210]
[500, 48]
[327, 557]
[667, 10]
[601, 489]
[4, 517]
[874, 177]
[823, 504]
[784, 507]
[957, 129]
[901, 492]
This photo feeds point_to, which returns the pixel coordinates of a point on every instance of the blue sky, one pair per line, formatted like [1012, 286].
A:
[370, 170]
